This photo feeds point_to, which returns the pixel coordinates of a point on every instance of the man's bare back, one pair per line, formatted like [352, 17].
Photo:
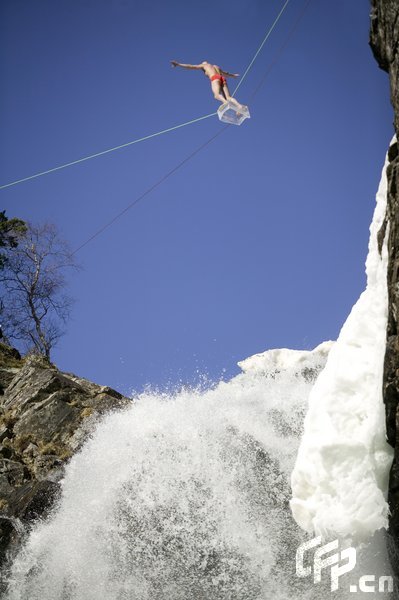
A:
[217, 77]
[211, 70]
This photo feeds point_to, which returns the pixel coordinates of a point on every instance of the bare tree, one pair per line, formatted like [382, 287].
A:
[34, 306]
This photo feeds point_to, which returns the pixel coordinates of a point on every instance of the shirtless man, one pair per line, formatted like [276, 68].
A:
[217, 77]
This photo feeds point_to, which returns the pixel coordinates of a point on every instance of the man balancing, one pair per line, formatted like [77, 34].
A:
[218, 80]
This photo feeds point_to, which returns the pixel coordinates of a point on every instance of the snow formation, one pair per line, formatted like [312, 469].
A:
[341, 473]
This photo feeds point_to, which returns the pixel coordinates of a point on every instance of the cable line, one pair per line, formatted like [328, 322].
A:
[261, 46]
[75, 162]
[281, 49]
[172, 171]
[152, 135]
[150, 189]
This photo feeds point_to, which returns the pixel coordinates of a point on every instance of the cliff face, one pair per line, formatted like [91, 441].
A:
[45, 416]
[384, 41]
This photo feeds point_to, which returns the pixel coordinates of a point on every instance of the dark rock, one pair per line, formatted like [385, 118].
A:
[14, 471]
[34, 500]
[4, 432]
[384, 41]
[10, 363]
[52, 419]
[393, 152]
[10, 535]
[6, 531]
[6, 452]
[384, 36]
[45, 416]
[35, 382]
[9, 356]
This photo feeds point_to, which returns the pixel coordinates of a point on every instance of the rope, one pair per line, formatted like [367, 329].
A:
[75, 162]
[281, 49]
[152, 135]
[158, 183]
[150, 189]
[261, 46]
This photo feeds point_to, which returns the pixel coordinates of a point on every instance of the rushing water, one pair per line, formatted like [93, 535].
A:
[182, 497]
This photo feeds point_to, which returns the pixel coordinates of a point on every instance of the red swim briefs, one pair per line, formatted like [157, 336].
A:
[220, 77]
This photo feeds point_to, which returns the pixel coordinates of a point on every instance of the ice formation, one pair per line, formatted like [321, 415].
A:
[229, 113]
[340, 478]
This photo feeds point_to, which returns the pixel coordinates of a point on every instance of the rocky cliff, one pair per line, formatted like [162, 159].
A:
[384, 41]
[45, 416]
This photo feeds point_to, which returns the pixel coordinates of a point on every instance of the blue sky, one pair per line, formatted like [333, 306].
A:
[257, 242]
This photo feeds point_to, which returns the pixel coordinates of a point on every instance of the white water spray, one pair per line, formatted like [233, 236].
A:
[182, 497]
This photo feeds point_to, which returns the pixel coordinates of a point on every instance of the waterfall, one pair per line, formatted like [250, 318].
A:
[182, 496]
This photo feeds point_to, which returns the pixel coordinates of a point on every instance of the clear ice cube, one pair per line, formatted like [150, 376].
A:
[230, 113]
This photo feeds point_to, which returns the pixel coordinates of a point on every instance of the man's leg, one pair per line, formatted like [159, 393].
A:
[218, 92]
[226, 92]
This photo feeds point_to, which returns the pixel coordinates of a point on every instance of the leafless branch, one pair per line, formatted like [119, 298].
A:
[33, 306]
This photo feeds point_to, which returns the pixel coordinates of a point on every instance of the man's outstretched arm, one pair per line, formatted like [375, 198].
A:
[185, 66]
[229, 74]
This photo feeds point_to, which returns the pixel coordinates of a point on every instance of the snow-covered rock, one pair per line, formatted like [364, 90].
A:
[340, 479]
